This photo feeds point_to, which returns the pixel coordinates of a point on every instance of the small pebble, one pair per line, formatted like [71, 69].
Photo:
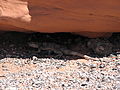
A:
[118, 78]
[93, 65]
[101, 66]
[34, 58]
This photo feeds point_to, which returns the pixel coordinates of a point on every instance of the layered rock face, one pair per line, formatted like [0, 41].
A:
[60, 15]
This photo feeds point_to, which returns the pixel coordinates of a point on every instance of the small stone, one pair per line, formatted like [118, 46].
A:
[34, 58]
[117, 63]
[99, 86]
[118, 78]
[118, 56]
[93, 65]
[101, 66]
[62, 85]
[114, 68]
[83, 84]
[88, 80]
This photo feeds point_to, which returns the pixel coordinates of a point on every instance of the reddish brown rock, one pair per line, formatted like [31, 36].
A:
[60, 15]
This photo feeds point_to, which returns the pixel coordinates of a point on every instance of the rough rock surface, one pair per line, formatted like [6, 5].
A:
[60, 16]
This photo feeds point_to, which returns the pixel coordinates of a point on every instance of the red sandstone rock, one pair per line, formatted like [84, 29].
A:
[60, 15]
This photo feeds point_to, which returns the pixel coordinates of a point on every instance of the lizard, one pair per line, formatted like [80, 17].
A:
[59, 49]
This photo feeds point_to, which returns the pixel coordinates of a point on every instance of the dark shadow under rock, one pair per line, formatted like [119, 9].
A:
[15, 44]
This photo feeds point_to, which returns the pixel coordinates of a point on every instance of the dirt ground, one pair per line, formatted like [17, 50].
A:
[15, 45]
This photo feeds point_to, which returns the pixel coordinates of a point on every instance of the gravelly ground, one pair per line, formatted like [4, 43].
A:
[53, 74]
[21, 69]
